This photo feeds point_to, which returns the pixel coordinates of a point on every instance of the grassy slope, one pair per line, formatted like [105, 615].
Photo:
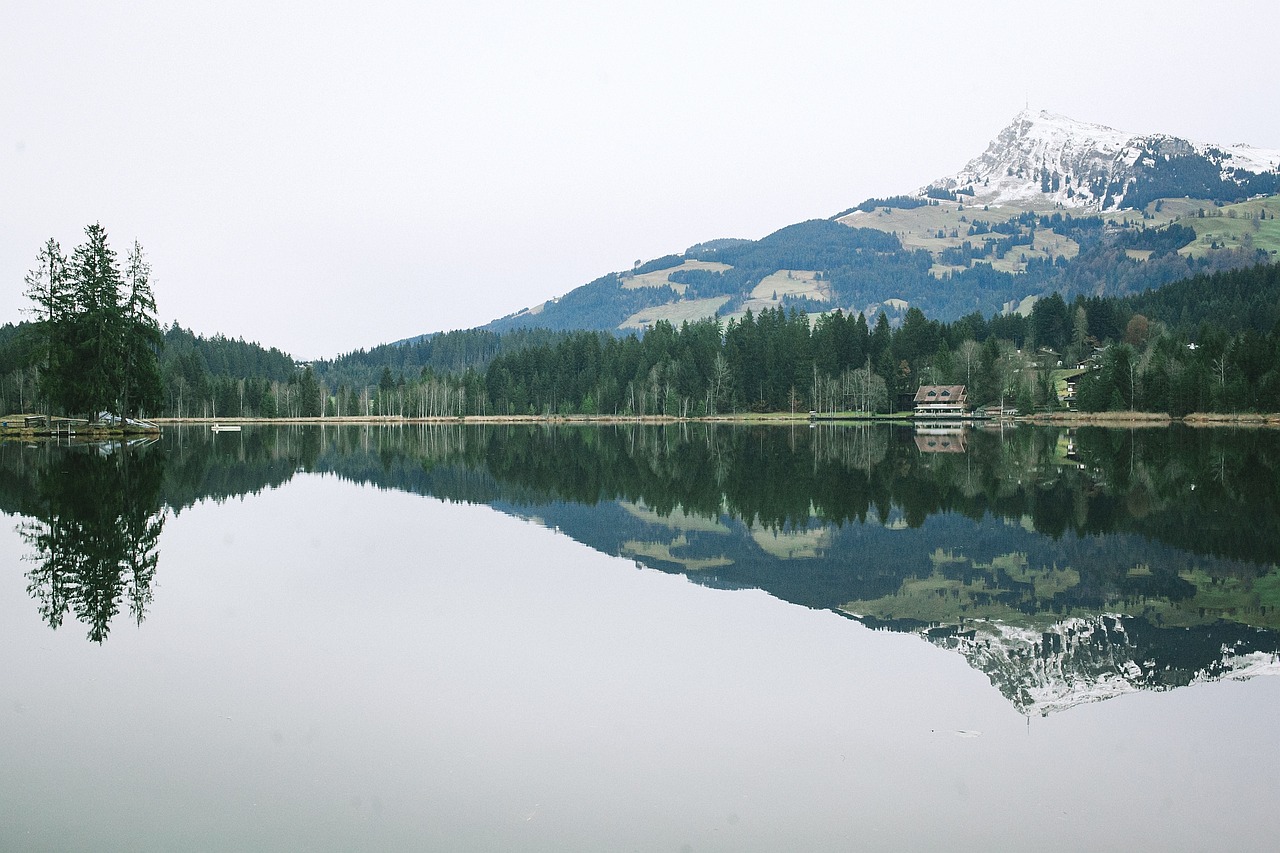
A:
[674, 313]
[658, 278]
[1235, 226]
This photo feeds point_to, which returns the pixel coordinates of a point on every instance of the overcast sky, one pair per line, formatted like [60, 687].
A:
[323, 177]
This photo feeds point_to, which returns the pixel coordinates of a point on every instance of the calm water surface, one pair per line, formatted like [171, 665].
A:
[641, 639]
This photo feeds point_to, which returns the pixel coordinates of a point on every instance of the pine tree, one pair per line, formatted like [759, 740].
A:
[92, 384]
[141, 386]
[309, 394]
[48, 287]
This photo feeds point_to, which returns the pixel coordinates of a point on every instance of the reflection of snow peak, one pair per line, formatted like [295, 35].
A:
[1080, 660]
[1045, 157]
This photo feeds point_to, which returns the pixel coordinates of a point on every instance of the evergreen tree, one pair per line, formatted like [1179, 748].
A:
[93, 381]
[141, 388]
[48, 287]
[309, 404]
[1051, 323]
[98, 334]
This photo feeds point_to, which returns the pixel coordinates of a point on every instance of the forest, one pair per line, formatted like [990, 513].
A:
[1210, 343]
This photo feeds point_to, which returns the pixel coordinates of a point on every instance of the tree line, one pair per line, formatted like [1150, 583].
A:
[1209, 343]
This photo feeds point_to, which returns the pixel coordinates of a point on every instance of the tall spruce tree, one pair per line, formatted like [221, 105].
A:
[48, 287]
[141, 388]
[97, 322]
[310, 404]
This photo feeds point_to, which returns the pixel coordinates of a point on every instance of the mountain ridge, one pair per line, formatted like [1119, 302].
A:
[1052, 204]
[1045, 156]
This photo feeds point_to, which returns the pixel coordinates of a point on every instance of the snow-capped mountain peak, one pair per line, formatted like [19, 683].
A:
[1091, 659]
[1043, 159]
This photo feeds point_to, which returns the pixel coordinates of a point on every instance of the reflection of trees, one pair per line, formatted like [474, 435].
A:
[783, 477]
[1196, 492]
[1210, 491]
[858, 447]
[94, 534]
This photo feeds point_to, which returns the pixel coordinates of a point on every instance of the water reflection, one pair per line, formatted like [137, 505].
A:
[1069, 566]
[93, 527]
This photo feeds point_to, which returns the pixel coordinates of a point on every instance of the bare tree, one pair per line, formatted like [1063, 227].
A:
[969, 355]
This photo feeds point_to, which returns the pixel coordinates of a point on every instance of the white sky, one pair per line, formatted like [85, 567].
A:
[324, 176]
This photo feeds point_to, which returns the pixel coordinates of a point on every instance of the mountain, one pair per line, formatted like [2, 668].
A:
[1081, 660]
[1053, 204]
[1042, 157]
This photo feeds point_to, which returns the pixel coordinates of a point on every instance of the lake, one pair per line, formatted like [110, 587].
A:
[679, 638]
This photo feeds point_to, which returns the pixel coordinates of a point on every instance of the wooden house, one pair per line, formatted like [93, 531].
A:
[941, 401]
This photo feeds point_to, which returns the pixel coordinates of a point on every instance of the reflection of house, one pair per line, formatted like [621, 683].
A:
[941, 401]
[940, 440]
[997, 412]
[1066, 387]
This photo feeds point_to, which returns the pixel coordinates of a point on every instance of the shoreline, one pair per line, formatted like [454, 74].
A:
[1110, 419]
[1116, 420]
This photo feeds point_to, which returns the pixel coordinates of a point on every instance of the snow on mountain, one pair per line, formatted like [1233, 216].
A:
[1250, 158]
[1046, 159]
[1081, 660]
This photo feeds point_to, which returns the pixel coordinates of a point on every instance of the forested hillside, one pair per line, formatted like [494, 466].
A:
[1232, 302]
[979, 262]
[1210, 343]
[220, 376]
[198, 376]
[1142, 352]
[443, 353]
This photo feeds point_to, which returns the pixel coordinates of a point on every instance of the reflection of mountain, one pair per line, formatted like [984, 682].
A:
[793, 544]
[1048, 634]
[1148, 555]
[1082, 660]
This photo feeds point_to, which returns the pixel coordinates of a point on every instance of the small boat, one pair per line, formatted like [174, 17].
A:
[225, 427]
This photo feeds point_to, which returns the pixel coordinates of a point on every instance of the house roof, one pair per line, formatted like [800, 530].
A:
[940, 394]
